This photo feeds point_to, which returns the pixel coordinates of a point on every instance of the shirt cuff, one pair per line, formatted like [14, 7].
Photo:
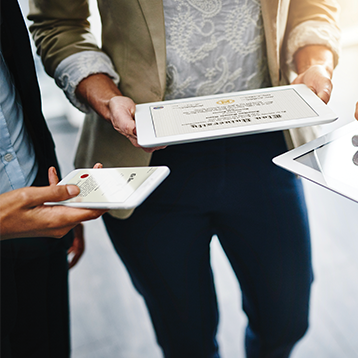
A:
[73, 69]
[313, 33]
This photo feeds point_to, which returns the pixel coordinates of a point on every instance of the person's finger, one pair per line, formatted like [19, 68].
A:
[74, 258]
[58, 232]
[73, 261]
[98, 166]
[126, 127]
[77, 215]
[312, 88]
[317, 83]
[57, 218]
[122, 111]
[52, 176]
[324, 89]
[324, 95]
[356, 114]
[151, 150]
[78, 245]
[35, 196]
[297, 80]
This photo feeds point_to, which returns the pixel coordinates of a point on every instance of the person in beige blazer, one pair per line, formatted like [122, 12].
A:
[155, 50]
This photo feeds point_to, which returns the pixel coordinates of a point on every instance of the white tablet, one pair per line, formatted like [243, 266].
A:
[113, 188]
[230, 114]
[331, 160]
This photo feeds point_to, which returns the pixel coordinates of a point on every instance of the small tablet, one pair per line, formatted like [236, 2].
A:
[330, 161]
[113, 188]
[230, 114]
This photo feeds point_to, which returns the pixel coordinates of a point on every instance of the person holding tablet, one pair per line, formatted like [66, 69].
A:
[25, 205]
[34, 266]
[166, 49]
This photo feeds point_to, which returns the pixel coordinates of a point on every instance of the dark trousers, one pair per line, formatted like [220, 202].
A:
[34, 297]
[230, 188]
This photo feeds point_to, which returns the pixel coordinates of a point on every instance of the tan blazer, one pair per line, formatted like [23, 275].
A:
[133, 35]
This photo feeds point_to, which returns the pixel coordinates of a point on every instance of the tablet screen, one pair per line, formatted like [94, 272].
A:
[309, 159]
[234, 111]
[338, 163]
[97, 186]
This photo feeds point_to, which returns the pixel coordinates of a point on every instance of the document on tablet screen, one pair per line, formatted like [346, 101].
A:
[97, 186]
[234, 111]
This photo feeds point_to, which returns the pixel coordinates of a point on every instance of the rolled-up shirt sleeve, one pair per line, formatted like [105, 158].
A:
[313, 33]
[73, 69]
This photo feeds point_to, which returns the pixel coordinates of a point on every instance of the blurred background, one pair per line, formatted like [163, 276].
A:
[108, 317]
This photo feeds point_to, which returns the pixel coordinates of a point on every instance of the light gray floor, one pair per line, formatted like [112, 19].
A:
[109, 318]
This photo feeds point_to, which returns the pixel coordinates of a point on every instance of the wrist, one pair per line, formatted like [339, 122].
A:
[314, 55]
[97, 90]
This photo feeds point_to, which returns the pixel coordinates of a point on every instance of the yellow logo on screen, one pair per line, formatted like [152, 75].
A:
[225, 101]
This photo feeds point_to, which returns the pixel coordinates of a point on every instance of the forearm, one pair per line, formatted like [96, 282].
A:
[311, 23]
[100, 93]
[97, 91]
[314, 66]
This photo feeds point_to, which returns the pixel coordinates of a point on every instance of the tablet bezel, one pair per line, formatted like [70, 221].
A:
[146, 133]
[134, 200]
[289, 160]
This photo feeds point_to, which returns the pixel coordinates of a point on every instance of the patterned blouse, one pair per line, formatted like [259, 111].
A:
[214, 46]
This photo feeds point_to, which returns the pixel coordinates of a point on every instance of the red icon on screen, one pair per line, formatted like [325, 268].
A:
[83, 176]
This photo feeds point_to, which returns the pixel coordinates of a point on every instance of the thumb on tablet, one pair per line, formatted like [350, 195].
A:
[37, 196]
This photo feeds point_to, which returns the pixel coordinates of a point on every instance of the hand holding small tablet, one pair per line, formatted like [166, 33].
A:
[113, 188]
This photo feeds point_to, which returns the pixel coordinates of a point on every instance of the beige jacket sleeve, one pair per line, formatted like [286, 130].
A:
[312, 22]
[60, 29]
[309, 22]
[301, 11]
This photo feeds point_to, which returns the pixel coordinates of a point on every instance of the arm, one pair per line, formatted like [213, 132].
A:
[314, 67]
[25, 206]
[311, 47]
[86, 74]
[60, 29]
[102, 95]
[311, 22]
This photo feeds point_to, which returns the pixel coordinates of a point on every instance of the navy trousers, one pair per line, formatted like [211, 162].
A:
[230, 188]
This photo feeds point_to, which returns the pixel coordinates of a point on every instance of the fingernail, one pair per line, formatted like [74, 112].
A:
[54, 169]
[73, 190]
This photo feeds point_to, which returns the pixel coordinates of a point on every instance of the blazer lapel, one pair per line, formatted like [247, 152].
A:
[274, 14]
[154, 15]
[269, 16]
[18, 56]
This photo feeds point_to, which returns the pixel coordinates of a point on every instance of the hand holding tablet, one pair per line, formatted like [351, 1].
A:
[113, 188]
[230, 114]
